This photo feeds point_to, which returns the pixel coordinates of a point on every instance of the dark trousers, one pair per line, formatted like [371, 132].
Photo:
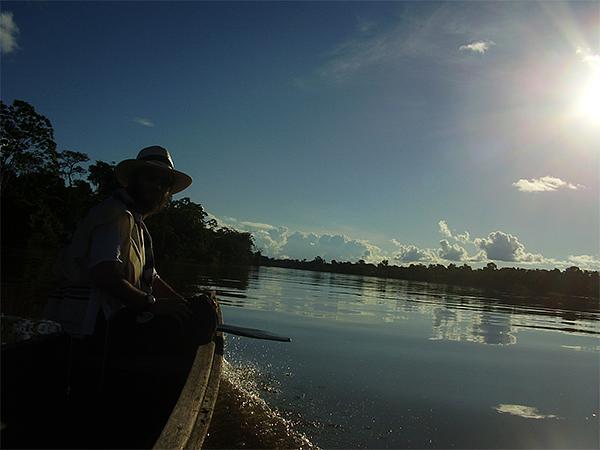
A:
[175, 327]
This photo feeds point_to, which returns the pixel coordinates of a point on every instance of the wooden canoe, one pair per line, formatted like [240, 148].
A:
[162, 403]
[190, 418]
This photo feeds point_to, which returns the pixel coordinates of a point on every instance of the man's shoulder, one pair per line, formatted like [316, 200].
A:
[108, 210]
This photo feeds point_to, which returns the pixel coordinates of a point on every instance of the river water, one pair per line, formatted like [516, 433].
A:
[383, 363]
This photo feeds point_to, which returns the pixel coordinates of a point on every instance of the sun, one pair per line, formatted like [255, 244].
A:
[588, 102]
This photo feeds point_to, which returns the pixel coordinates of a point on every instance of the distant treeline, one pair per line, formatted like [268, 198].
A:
[570, 282]
[45, 192]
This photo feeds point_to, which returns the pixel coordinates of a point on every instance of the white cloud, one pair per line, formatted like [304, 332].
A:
[408, 253]
[8, 33]
[527, 412]
[267, 238]
[477, 47]
[426, 38]
[544, 184]
[281, 242]
[452, 252]
[328, 246]
[588, 57]
[444, 228]
[586, 262]
[257, 225]
[143, 121]
[465, 237]
[502, 246]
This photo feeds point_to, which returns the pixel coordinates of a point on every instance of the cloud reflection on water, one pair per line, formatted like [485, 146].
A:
[459, 314]
[527, 412]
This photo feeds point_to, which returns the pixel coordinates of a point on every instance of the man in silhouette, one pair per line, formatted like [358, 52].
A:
[129, 303]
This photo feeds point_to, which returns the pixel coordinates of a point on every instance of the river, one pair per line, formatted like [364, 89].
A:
[383, 363]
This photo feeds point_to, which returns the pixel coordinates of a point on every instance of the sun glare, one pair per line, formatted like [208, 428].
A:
[588, 103]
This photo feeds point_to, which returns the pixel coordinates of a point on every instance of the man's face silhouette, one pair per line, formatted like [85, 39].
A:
[150, 188]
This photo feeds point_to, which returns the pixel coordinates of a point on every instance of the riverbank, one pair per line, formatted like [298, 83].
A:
[571, 288]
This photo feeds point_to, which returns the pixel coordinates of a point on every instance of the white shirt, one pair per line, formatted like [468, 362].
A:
[106, 243]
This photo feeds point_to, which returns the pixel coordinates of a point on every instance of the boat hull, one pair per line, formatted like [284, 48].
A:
[54, 398]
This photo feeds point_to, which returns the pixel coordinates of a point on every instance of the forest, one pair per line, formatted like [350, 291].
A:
[45, 191]
[570, 282]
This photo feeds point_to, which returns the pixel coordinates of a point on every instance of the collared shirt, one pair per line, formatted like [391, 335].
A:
[105, 245]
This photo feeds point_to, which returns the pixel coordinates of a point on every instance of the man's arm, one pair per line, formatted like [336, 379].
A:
[106, 276]
[161, 289]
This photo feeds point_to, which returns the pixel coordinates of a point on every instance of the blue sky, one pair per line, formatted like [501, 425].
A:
[345, 130]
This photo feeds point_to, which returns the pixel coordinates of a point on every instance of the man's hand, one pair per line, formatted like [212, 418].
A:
[211, 297]
[172, 307]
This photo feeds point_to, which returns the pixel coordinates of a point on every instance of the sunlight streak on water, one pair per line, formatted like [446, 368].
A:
[243, 419]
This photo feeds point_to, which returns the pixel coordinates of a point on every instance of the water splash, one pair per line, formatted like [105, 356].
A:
[243, 419]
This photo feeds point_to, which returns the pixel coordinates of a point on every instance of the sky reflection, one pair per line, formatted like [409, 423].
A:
[446, 313]
[381, 363]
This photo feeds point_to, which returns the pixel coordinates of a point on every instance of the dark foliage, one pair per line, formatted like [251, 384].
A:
[27, 142]
[183, 232]
[572, 282]
[49, 192]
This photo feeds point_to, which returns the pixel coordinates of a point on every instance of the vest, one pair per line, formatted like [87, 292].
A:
[76, 303]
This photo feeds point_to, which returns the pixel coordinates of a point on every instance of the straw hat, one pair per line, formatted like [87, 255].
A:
[153, 156]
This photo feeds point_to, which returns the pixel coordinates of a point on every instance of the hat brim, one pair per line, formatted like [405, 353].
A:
[124, 169]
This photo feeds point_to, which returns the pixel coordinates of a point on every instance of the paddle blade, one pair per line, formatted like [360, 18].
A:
[252, 333]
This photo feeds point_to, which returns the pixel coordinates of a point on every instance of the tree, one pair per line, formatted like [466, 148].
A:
[180, 231]
[69, 164]
[102, 176]
[491, 266]
[26, 141]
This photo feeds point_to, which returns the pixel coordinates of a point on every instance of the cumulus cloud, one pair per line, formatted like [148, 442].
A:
[452, 252]
[587, 262]
[281, 242]
[408, 253]
[8, 33]
[443, 226]
[269, 239]
[257, 225]
[143, 121]
[588, 57]
[476, 47]
[502, 246]
[465, 237]
[328, 246]
[544, 184]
